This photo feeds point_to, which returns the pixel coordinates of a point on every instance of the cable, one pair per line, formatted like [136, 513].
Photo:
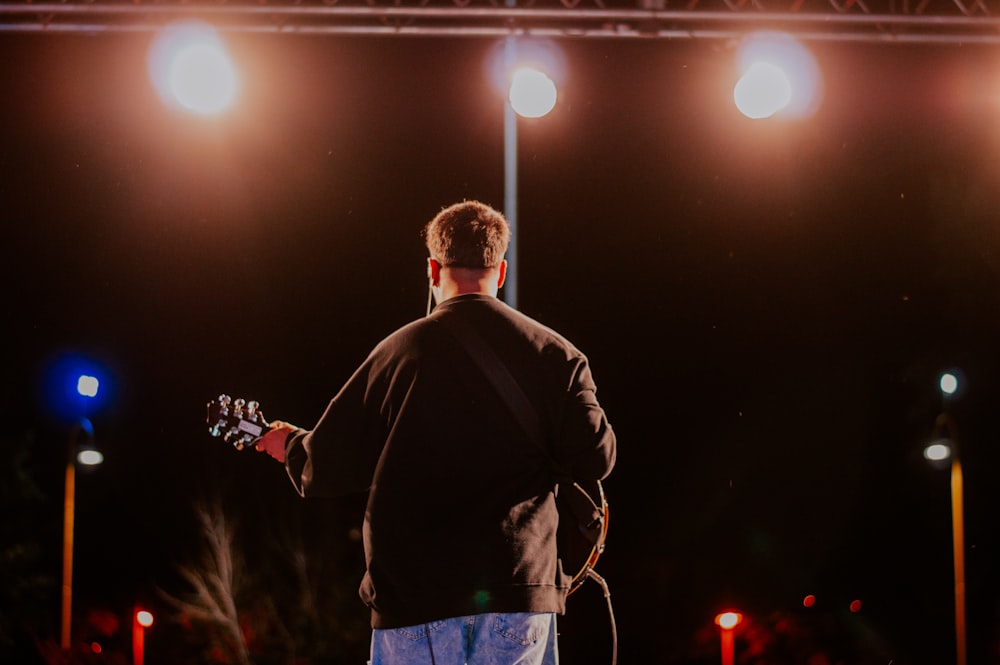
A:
[592, 574]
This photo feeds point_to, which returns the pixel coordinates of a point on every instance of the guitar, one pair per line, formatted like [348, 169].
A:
[583, 508]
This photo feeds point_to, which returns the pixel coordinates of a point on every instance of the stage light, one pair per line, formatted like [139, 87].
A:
[532, 93]
[518, 53]
[778, 76]
[762, 91]
[191, 69]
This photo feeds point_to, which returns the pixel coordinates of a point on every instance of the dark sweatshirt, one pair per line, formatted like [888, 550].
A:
[461, 516]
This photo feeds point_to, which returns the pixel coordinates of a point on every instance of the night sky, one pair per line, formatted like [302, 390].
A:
[766, 306]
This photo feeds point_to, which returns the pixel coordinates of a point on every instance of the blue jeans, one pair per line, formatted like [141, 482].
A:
[480, 639]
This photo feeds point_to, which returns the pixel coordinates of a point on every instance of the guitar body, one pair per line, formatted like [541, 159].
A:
[583, 528]
[583, 508]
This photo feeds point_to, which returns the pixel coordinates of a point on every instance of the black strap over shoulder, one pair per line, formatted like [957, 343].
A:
[579, 501]
[503, 381]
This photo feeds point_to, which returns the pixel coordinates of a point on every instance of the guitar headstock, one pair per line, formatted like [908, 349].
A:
[238, 422]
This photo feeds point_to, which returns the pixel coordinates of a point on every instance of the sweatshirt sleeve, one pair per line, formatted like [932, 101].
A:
[338, 455]
[586, 446]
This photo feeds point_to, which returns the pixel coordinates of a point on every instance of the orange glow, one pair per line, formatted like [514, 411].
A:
[809, 601]
[728, 620]
[144, 618]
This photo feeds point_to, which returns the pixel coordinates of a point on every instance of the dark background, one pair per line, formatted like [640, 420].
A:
[767, 307]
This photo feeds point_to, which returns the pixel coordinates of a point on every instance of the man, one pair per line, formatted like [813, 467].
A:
[460, 525]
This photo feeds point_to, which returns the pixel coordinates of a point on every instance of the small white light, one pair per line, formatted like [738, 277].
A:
[949, 384]
[728, 620]
[90, 457]
[937, 452]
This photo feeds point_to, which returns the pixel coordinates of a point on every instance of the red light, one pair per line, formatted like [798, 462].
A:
[809, 601]
[95, 647]
[855, 605]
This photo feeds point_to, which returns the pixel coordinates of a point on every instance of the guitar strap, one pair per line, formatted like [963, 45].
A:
[499, 375]
[588, 513]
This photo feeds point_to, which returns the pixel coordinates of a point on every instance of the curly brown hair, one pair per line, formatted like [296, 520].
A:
[469, 234]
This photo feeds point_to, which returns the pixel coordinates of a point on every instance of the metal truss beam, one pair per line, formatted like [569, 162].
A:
[888, 21]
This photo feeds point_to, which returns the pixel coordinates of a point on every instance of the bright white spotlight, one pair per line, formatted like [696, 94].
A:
[772, 61]
[191, 69]
[949, 384]
[532, 93]
[762, 91]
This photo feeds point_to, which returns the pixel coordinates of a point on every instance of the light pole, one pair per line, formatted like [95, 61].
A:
[530, 93]
[727, 622]
[944, 445]
[510, 177]
[141, 620]
[87, 387]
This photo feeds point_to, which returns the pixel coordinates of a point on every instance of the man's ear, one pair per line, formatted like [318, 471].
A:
[503, 273]
[433, 272]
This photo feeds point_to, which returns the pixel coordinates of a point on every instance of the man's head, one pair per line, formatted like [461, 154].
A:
[466, 242]
[468, 235]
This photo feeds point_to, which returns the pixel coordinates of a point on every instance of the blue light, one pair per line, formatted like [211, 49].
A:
[73, 386]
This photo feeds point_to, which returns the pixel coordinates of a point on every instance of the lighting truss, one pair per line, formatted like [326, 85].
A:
[900, 21]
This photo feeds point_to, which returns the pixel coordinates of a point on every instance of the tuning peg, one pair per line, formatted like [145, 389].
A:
[244, 441]
[253, 411]
[219, 411]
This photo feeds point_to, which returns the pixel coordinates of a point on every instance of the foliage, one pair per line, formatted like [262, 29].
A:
[26, 584]
[281, 594]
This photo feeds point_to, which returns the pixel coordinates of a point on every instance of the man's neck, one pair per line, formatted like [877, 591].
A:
[464, 281]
